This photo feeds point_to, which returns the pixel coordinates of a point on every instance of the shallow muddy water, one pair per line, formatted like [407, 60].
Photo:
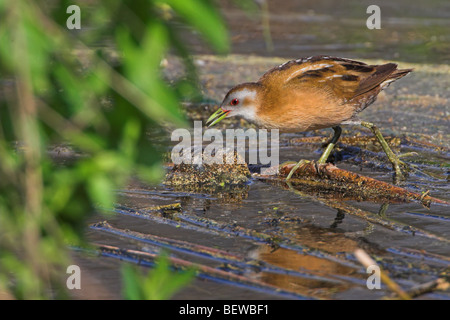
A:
[409, 32]
[263, 240]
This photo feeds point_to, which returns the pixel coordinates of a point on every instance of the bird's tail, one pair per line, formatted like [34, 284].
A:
[397, 74]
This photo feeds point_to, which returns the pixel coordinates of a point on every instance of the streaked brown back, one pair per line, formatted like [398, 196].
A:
[347, 80]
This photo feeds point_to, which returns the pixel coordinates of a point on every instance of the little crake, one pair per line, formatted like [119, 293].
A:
[313, 93]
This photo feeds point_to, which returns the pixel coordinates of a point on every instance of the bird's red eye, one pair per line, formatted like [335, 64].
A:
[234, 102]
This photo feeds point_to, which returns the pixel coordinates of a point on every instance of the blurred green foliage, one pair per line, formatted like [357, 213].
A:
[160, 284]
[96, 91]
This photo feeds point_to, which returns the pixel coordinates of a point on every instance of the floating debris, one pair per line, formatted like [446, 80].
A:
[362, 188]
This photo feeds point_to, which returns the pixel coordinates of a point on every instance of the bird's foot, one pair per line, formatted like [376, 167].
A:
[407, 167]
[298, 165]
[401, 168]
[408, 154]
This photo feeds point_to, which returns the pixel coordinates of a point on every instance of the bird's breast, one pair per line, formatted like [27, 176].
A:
[302, 110]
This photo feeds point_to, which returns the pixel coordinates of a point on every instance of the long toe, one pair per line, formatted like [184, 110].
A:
[298, 165]
[401, 168]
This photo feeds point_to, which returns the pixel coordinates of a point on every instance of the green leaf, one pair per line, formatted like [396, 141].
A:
[141, 64]
[160, 283]
[202, 15]
[131, 280]
[101, 190]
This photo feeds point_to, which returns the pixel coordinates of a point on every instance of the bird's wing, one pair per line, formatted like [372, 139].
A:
[345, 79]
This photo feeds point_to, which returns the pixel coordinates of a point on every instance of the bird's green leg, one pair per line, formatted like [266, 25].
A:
[393, 158]
[326, 153]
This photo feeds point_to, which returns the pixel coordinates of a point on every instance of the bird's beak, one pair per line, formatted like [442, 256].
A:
[217, 117]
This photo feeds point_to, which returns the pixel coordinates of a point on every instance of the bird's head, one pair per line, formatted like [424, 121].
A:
[242, 100]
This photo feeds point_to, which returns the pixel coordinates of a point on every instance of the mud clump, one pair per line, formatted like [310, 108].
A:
[232, 172]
